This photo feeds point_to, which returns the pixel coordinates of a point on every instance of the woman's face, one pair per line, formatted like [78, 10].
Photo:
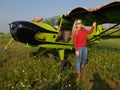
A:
[79, 24]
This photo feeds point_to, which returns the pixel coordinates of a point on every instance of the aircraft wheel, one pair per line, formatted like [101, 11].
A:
[65, 65]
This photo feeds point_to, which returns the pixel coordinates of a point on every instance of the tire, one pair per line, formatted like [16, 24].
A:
[65, 65]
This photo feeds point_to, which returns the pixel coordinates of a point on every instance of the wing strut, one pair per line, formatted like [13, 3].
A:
[102, 33]
[108, 29]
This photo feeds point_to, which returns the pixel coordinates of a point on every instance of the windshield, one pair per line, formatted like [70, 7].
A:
[53, 21]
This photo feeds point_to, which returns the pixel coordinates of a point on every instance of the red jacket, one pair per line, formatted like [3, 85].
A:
[80, 37]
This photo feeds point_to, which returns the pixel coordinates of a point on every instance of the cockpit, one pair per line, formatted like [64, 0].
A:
[53, 21]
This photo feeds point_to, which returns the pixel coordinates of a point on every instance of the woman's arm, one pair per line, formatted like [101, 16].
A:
[92, 28]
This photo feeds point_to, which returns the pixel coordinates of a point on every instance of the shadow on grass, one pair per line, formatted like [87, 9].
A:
[99, 84]
[67, 82]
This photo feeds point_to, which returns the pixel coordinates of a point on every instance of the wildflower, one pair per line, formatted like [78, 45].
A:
[23, 70]
[23, 85]
[12, 87]
[29, 85]
[69, 85]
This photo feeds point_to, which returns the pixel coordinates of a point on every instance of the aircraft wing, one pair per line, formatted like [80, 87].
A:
[106, 13]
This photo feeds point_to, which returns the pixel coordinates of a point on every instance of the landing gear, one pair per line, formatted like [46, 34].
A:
[65, 65]
[51, 53]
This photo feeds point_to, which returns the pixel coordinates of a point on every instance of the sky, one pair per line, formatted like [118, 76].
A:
[14, 10]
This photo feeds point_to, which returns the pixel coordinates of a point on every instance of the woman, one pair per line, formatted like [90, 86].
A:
[80, 41]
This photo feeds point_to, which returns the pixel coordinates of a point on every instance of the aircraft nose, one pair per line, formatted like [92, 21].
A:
[13, 29]
[24, 32]
[12, 26]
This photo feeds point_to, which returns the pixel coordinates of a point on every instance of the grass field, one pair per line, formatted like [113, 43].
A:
[18, 71]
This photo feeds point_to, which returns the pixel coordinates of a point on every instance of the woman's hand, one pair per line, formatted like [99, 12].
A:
[94, 24]
[77, 53]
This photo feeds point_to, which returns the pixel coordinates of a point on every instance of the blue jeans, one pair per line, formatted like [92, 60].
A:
[81, 60]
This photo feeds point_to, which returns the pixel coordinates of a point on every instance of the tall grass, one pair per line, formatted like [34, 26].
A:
[18, 71]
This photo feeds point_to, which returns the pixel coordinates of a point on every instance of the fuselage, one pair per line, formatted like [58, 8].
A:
[40, 34]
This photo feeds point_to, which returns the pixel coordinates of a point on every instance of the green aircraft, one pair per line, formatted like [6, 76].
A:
[55, 32]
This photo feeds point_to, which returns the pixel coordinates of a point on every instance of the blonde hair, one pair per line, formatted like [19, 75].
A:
[74, 28]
